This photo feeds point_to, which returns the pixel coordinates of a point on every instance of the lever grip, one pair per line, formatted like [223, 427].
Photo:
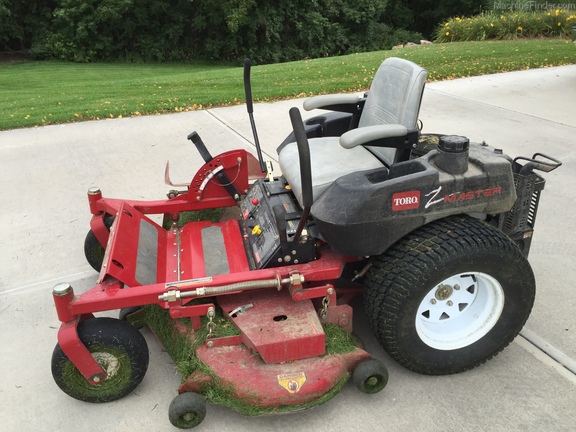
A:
[248, 86]
[304, 155]
[195, 138]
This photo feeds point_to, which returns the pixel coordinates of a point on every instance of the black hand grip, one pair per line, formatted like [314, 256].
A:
[247, 86]
[304, 155]
[195, 138]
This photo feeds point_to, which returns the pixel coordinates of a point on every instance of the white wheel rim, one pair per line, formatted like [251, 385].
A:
[459, 311]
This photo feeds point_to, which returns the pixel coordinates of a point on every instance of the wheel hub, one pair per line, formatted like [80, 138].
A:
[108, 362]
[443, 292]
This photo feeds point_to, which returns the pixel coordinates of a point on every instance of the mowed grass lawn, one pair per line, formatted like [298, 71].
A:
[41, 93]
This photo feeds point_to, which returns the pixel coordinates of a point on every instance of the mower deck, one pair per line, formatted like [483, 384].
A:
[286, 386]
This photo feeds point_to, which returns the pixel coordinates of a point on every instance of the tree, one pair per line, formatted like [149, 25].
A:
[424, 15]
[21, 20]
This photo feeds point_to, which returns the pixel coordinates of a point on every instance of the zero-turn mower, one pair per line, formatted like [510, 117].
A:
[432, 230]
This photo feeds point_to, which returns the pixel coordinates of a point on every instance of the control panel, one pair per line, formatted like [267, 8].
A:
[270, 218]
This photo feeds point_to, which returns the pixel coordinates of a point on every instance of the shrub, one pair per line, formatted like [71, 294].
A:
[507, 25]
[171, 30]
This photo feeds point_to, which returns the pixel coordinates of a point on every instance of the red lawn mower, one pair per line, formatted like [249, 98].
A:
[432, 230]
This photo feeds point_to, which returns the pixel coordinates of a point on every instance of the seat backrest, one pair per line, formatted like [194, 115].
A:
[394, 98]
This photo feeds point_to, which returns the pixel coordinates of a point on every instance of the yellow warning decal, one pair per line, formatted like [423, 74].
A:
[292, 382]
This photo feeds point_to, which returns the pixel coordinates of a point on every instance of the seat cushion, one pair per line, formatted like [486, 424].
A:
[329, 161]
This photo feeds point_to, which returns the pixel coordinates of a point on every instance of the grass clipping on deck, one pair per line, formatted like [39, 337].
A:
[183, 352]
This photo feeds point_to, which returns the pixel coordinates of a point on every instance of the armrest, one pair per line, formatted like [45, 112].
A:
[388, 135]
[335, 102]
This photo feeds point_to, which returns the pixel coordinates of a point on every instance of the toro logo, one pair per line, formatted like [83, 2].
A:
[406, 200]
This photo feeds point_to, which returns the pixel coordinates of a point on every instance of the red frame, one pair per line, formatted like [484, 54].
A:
[121, 244]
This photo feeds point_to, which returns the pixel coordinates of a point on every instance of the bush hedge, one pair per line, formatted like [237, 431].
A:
[173, 30]
[507, 25]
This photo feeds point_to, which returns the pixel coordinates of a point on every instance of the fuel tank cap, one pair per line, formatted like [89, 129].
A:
[453, 143]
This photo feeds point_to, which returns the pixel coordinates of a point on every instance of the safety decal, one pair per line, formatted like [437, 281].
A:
[292, 382]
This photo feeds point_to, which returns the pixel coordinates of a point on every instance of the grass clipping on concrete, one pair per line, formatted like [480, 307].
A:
[183, 352]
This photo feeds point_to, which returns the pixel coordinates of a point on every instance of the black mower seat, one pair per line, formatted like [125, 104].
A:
[390, 111]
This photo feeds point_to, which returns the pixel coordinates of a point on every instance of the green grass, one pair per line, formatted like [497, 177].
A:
[40, 93]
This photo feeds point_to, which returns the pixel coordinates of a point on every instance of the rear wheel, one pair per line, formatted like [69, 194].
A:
[118, 347]
[449, 296]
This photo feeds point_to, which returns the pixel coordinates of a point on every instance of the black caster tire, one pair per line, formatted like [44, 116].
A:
[121, 351]
[187, 410]
[370, 376]
[125, 315]
[449, 296]
[93, 250]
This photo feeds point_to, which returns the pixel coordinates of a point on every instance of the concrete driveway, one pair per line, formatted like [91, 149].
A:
[45, 173]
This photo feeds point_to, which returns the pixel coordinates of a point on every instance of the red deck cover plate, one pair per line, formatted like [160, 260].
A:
[277, 327]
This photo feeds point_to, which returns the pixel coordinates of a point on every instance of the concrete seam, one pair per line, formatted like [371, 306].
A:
[552, 352]
[221, 120]
[42, 283]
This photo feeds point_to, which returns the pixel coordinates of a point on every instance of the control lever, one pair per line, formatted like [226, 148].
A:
[250, 109]
[280, 216]
[220, 176]
[305, 169]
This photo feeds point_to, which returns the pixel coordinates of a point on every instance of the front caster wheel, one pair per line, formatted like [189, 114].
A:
[370, 376]
[187, 410]
[93, 250]
[118, 347]
[449, 296]
[133, 315]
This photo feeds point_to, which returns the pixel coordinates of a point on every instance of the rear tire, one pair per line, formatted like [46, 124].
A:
[449, 296]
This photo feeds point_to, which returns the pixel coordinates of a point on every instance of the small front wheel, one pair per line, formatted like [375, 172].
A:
[118, 347]
[93, 250]
[187, 410]
[370, 376]
[133, 315]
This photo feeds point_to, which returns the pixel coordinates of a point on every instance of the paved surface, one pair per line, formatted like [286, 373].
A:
[44, 175]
